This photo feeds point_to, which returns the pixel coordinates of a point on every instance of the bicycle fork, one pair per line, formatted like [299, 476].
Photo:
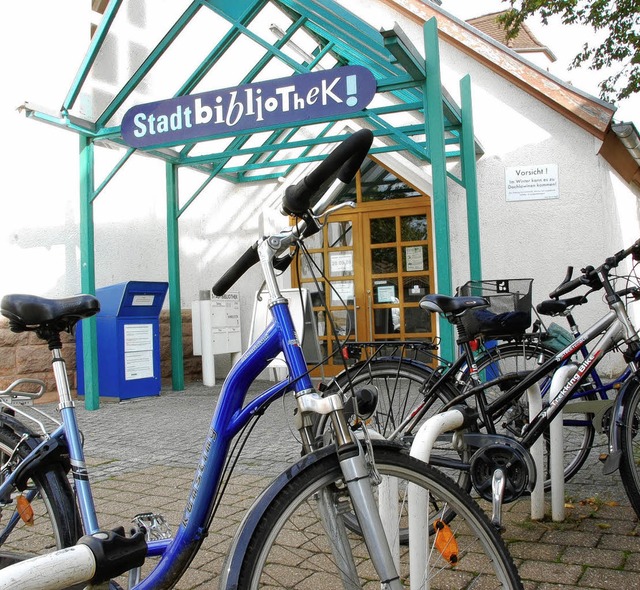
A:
[356, 473]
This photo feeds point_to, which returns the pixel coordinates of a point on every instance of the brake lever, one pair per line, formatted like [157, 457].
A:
[324, 217]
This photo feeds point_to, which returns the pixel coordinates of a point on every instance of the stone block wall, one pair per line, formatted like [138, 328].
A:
[24, 355]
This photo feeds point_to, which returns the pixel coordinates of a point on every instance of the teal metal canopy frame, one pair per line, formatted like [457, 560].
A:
[411, 113]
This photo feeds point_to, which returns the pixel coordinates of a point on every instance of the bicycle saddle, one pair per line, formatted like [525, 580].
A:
[558, 306]
[28, 312]
[451, 305]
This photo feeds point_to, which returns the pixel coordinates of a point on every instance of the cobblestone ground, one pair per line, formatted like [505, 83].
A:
[143, 453]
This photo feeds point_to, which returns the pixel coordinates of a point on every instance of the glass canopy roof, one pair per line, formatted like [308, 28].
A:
[147, 51]
[140, 54]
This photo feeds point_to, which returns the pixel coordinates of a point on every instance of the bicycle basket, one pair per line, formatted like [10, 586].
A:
[509, 311]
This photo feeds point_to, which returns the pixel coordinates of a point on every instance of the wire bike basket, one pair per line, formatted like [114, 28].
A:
[509, 311]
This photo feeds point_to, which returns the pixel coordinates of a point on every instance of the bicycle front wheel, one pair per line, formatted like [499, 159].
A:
[293, 545]
[402, 386]
[39, 517]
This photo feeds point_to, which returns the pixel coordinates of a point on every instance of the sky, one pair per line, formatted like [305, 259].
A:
[565, 41]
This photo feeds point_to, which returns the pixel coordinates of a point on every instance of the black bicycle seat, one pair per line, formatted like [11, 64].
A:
[451, 305]
[29, 312]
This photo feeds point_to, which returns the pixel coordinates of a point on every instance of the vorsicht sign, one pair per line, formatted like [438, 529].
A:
[319, 95]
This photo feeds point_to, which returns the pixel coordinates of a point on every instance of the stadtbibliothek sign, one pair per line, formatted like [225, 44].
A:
[197, 117]
[528, 183]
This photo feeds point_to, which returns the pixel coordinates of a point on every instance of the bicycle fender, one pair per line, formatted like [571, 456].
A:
[239, 547]
[415, 363]
[362, 366]
[13, 424]
[55, 451]
[612, 463]
[235, 557]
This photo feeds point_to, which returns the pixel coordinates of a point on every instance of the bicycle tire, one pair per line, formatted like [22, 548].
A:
[578, 429]
[630, 447]
[400, 384]
[56, 522]
[288, 547]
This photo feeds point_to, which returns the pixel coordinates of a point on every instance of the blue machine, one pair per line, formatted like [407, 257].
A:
[128, 334]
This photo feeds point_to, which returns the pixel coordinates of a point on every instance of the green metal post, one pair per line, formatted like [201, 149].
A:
[87, 273]
[175, 308]
[470, 180]
[435, 138]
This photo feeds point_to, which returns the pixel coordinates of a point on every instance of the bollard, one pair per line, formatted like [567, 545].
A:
[208, 364]
[537, 454]
[418, 502]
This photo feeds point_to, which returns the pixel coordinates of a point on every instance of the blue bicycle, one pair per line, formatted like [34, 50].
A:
[295, 534]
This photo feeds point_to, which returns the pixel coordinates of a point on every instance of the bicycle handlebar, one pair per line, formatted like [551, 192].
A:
[344, 162]
[591, 276]
[237, 269]
[587, 278]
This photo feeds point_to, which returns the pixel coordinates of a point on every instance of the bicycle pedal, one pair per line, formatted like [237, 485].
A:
[498, 485]
[155, 526]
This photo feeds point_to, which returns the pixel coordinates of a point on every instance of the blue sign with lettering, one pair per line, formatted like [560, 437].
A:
[319, 95]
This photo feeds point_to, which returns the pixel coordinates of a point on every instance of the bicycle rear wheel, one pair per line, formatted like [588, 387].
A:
[519, 358]
[290, 548]
[50, 519]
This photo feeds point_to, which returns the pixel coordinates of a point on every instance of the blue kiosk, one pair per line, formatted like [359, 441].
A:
[128, 335]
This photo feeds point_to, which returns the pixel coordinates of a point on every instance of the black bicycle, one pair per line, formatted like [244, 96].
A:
[498, 433]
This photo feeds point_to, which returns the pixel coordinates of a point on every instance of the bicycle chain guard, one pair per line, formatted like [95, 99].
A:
[495, 451]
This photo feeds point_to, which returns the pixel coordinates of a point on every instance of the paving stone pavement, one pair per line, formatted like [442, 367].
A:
[142, 456]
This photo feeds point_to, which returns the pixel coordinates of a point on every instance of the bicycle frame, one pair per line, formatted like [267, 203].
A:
[229, 418]
[613, 328]
[601, 386]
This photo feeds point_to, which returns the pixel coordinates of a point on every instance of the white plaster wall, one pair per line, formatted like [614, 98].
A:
[39, 225]
[41, 48]
[595, 215]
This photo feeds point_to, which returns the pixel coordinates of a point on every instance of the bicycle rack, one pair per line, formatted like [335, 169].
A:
[537, 453]
[419, 498]
[556, 453]
[453, 419]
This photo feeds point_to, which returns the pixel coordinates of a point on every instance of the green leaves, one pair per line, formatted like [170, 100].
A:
[618, 19]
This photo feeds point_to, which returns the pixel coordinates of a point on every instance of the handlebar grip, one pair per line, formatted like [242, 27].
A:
[589, 278]
[242, 265]
[358, 144]
[345, 160]
[566, 288]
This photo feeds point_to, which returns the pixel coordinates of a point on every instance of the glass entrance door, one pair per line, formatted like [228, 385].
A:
[397, 271]
[376, 260]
